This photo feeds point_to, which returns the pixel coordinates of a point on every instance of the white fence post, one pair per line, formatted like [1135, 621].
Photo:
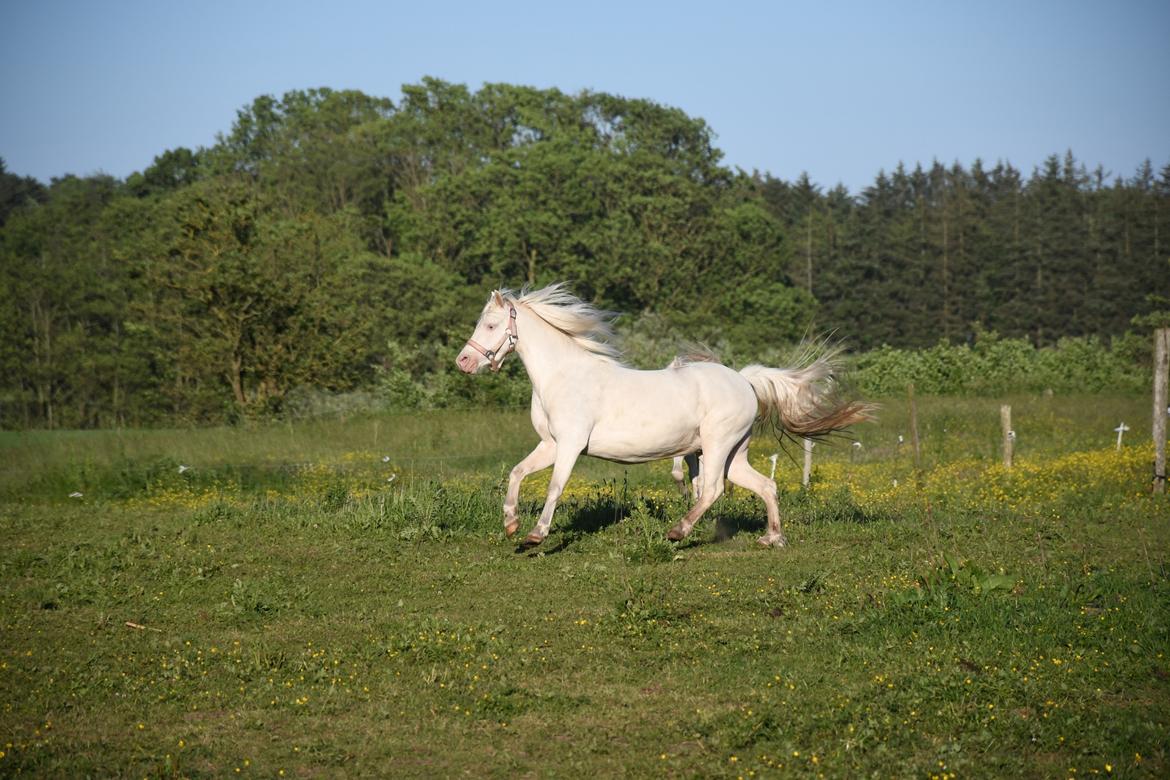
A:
[1120, 430]
[1009, 435]
[807, 473]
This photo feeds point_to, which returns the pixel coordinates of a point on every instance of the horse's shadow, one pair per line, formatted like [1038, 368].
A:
[591, 518]
[596, 516]
[727, 526]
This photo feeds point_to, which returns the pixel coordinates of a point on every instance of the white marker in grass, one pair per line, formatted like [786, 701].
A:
[1120, 429]
[806, 474]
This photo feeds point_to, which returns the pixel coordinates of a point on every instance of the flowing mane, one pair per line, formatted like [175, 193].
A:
[699, 353]
[590, 327]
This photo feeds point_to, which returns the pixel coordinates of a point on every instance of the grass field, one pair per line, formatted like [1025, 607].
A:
[338, 599]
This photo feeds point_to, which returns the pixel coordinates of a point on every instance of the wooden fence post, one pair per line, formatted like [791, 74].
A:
[1161, 366]
[1005, 421]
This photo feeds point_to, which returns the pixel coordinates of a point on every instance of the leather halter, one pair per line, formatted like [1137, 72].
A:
[507, 343]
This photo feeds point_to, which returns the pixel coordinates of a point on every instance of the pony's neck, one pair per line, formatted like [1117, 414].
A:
[545, 351]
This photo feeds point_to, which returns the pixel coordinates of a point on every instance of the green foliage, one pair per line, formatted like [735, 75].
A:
[1159, 314]
[66, 354]
[18, 191]
[836, 505]
[942, 252]
[329, 253]
[953, 579]
[648, 544]
[251, 599]
[1003, 366]
[171, 170]
[251, 299]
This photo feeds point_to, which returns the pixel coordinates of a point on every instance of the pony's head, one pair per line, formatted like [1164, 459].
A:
[493, 338]
[583, 324]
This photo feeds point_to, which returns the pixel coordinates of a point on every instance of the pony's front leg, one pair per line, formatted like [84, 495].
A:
[540, 458]
[566, 458]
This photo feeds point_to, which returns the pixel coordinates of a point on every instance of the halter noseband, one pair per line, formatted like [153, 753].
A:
[507, 343]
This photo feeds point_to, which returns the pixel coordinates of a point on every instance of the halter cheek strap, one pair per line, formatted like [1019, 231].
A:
[507, 343]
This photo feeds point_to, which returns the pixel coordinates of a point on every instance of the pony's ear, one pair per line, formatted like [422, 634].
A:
[497, 299]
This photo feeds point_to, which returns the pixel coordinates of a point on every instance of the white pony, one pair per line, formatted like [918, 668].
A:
[585, 400]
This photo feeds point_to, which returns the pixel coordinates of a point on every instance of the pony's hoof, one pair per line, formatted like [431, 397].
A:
[676, 534]
[533, 539]
[511, 528]
[772, 541]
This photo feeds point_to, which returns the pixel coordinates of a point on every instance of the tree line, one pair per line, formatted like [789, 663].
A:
[333, 244]
[951, 251]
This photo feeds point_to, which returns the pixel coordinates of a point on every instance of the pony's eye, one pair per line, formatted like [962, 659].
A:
[491, 326]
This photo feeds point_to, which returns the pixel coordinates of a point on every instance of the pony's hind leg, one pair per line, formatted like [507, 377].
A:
[693, 466]
[741, 473]
[676, 471]
[688, 483]
[711, 479]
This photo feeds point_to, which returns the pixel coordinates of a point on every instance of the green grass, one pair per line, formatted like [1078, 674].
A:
[280, 607]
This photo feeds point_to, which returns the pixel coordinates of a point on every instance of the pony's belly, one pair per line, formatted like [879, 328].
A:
[633, 446]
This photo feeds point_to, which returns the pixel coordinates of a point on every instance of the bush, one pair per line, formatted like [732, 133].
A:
[994, 366]
[990, 366]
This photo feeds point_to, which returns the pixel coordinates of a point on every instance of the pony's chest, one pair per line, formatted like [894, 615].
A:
[539, 418]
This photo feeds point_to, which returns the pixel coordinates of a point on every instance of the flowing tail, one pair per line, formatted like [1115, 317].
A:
[804, 401]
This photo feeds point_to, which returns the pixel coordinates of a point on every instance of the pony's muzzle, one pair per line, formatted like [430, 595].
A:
[468, 361]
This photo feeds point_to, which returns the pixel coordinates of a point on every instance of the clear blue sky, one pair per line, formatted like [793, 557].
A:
[839, 90]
